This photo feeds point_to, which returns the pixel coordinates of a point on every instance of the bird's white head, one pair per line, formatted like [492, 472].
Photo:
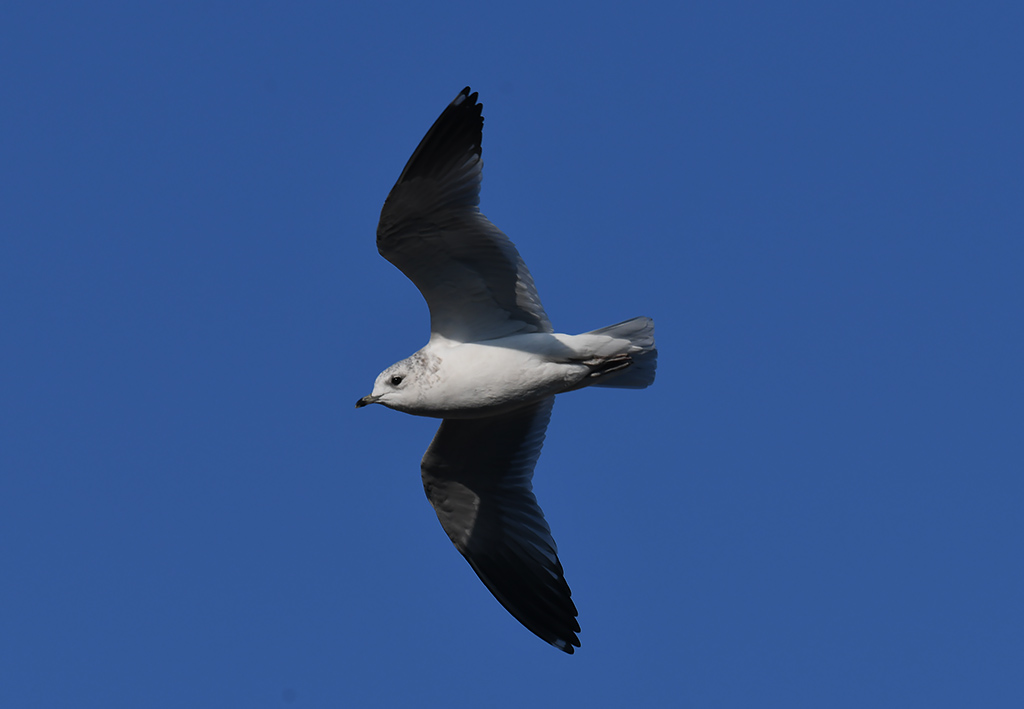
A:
[397, 387]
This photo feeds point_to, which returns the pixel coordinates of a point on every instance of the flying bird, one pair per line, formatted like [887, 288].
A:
[490, 371]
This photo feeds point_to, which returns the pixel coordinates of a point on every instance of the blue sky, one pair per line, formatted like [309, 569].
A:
[817, 504]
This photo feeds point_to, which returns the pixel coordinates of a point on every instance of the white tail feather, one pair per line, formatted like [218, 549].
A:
[641, 353]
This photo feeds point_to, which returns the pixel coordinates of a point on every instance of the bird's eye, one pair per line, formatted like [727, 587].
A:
[396, 380]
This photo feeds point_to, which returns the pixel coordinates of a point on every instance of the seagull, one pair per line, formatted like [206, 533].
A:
[490, 371]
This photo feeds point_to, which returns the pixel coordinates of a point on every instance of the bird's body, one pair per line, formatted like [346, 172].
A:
[491, 370]
[475, 379]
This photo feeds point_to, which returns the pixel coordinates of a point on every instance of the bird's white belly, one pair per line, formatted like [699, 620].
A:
[481, 379]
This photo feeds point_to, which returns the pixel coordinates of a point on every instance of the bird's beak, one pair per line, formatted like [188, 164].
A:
[371, 399]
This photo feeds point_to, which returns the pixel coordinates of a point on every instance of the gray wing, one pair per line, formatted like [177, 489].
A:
[477, 474]
[469, 272]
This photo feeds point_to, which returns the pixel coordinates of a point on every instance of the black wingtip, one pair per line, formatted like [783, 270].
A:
[457, 133]
[567, 647]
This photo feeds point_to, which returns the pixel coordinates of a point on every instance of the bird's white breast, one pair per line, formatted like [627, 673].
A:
[488, 378]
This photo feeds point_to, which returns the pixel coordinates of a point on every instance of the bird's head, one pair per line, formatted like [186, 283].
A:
[395, 387]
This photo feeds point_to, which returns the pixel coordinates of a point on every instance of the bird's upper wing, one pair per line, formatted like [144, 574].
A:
[477, 474]
[469, 272]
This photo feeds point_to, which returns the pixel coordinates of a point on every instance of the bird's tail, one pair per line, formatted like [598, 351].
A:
[633, 365]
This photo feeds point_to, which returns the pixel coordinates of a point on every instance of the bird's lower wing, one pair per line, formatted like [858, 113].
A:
[477, 474]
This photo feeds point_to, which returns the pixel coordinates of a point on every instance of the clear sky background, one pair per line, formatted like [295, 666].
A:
[818, 503]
